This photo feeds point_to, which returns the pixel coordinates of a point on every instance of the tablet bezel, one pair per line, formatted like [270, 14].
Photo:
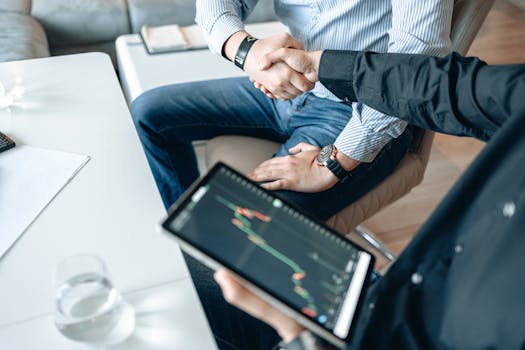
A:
[213, 262]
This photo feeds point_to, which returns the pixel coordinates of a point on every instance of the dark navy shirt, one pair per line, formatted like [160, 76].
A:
[460, 284]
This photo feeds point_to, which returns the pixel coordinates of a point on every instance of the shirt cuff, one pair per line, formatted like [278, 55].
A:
[359, 142]
[224, 27]
[336, 73]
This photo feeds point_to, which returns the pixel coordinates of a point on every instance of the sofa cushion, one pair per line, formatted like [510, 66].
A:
[75, 22]
[20, 6]
[159, 12]
[21, 37]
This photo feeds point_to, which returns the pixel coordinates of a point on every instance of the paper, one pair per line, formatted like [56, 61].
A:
[29, 179]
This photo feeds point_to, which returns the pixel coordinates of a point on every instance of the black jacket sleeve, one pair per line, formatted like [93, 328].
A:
[453, 94]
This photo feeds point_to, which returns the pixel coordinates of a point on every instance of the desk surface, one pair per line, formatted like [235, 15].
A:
[75, 104]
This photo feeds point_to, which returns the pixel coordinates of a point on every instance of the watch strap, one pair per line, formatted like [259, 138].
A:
[242, 51]
[336, 168]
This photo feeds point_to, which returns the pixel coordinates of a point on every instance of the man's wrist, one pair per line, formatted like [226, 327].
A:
[346, 162]
[243, 50]
[315, 59]
[231, 45]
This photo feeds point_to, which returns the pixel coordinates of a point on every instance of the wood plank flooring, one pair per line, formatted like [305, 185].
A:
[501, 40]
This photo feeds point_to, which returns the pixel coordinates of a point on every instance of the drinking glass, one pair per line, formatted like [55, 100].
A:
[88, 308]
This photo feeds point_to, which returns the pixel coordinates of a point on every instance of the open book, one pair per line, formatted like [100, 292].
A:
[172, 37]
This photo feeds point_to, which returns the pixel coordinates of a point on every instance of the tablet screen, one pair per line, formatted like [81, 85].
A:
[247, 229]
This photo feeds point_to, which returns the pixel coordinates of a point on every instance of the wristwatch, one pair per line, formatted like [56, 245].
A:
[327, 158]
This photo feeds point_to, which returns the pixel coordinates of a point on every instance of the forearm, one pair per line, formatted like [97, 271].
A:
[421, 27]
[220, 20]
[454, 95]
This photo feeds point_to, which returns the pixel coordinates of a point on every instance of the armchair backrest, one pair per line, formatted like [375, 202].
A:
[467, 18]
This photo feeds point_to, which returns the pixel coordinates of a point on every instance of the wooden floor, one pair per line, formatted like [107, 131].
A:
[501, 40]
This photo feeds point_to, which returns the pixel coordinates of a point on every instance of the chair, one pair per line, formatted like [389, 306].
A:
[244, 153]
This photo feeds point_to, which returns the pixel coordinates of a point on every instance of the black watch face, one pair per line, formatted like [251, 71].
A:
[324, 155]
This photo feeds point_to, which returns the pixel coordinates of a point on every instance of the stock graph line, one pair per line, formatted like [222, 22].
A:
[242, 219]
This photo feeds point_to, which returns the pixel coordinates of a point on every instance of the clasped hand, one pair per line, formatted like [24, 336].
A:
[279, 67]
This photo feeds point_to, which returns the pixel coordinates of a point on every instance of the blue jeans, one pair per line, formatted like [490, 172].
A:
[169, 118]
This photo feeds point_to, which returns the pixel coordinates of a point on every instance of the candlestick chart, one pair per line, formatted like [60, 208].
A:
[259, 236]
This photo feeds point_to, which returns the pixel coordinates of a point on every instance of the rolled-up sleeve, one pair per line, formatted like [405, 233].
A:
[419, 27]
[221, 19]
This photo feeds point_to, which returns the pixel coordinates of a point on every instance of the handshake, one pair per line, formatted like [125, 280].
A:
[279, 66]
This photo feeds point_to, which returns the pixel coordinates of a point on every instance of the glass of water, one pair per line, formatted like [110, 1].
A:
[88, 308]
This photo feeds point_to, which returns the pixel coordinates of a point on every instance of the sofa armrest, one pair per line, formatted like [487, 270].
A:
[22, 37]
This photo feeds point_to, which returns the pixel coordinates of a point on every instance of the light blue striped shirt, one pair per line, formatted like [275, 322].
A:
[406, 26]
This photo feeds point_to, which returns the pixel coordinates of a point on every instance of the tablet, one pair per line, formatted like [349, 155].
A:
[299, 265]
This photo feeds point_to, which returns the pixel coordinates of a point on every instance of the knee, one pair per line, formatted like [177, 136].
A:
[144, 110]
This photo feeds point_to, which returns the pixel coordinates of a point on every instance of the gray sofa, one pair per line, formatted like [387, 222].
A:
[39, 28]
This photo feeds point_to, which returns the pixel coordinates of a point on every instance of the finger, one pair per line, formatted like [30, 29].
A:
[302, 147]
[290, 41]
[268, 176]
[283, 94]
[269, 173]
[270, 162]
[236, 294]
[231, 289]
[295, 149]
[280, 184]
[296, 59]
[301, 83]
[263, 90]
[284, 89]
[283, 55]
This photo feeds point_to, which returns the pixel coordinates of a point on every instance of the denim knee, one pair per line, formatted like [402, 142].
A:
[143, 109]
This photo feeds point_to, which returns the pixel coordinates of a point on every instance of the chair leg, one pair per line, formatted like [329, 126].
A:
[368, 236]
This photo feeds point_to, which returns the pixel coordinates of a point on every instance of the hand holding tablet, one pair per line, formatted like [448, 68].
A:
[293, 262]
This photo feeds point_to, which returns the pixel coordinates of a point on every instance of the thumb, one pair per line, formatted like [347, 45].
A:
[289, 41]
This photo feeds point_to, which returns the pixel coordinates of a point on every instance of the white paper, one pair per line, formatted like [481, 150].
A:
[29, 179]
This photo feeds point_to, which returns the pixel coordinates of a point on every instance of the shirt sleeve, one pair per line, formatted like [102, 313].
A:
[421, 27]
[220, 19]
[453, 95]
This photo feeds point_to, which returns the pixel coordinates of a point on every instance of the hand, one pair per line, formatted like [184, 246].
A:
[299, 60]
[297, 172]
[237, 295]
[280, 80]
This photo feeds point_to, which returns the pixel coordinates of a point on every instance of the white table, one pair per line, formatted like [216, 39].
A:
[140, 71]
[75, 104]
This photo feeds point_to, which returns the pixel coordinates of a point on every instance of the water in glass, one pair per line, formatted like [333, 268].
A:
[89, 309]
